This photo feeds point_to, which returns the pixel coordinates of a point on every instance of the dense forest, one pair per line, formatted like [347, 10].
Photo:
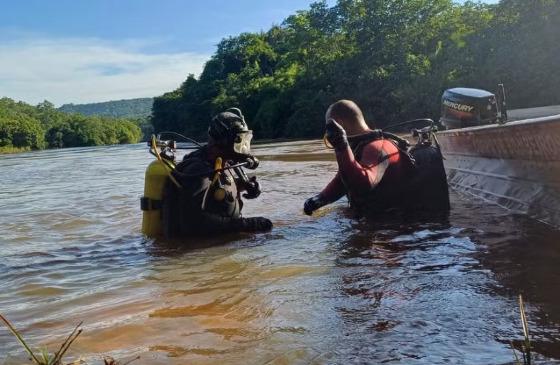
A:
[25, 127]
[138, 110]
[393, 57]
[129, 108]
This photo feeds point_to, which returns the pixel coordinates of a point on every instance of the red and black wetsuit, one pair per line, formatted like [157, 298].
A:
[377, 175]
[371, 167]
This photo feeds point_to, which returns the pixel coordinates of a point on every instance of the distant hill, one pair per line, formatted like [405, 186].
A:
[24, 127]
[131, 108]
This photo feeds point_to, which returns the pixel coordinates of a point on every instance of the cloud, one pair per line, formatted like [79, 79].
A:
[75, 70]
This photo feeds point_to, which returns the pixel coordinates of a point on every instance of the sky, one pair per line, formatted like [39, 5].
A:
[81, 51]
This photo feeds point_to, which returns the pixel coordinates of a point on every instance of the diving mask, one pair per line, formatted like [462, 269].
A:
[242, 142]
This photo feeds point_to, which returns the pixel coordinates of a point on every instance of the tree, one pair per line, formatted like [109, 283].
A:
[23, 126]
[393, 57]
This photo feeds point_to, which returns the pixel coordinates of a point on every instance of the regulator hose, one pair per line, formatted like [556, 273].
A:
[167, 167]
[182, 136]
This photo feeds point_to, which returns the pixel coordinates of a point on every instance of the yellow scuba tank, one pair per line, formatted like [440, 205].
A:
[150, 203]
[157, 174]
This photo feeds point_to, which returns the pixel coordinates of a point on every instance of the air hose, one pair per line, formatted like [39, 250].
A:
[165, 163]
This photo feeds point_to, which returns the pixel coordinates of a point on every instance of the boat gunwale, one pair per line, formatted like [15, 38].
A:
[512, 124]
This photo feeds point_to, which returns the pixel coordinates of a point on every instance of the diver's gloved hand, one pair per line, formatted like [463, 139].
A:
[255, 224]
[336, 135]
[252, 162]
[312, 204]
[253, 188]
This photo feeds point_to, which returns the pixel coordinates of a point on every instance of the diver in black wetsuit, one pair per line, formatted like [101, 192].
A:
[209, 201]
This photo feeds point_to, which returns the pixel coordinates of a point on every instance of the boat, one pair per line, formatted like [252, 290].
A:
[510, 160]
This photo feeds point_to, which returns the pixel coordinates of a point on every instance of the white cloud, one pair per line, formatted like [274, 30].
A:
[89, 70]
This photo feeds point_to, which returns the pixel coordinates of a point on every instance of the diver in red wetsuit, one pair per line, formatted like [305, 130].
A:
[377, 172]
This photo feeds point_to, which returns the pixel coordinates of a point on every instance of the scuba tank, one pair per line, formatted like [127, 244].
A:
[150, 203]
[160, 171]
[156, 176]
[429, 171]
[424, 188]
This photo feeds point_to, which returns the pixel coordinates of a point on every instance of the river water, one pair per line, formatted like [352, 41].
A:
[316, 290]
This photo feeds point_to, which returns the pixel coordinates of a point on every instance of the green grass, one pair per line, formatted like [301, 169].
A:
[11, 149]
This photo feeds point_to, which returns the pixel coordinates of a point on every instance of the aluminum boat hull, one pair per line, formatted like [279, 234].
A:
[515, 165]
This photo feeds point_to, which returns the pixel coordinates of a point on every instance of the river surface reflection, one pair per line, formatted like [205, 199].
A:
[316, 290]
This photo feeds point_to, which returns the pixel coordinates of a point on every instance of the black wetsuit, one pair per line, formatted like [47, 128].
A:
[193, 209]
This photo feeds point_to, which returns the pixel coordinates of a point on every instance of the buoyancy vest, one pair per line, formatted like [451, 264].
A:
[421, 183]
[183, 207]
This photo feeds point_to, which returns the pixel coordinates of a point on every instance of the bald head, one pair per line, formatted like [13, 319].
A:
[349, 115]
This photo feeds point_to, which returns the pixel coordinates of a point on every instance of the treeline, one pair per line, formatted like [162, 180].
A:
[137, 110]
[393, 57]
[129, 108]
[26, 127]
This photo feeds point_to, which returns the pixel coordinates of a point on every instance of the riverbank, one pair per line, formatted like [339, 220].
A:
[9, 150]
[24, 127]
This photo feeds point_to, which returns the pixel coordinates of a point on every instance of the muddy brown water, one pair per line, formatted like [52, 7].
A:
[325, 289]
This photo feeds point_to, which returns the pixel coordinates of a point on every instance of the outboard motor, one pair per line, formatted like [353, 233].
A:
[464, 107]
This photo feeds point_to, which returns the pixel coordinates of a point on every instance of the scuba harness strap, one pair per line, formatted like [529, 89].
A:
[150, 204]
[358, 143]
[423, 185]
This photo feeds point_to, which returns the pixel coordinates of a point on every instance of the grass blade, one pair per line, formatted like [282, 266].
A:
[524, 322]
[66, 344]
[517, 362]
[20, 339]
[527, 342]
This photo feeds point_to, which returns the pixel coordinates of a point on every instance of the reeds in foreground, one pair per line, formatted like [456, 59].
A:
[45, 358]
[526, 344]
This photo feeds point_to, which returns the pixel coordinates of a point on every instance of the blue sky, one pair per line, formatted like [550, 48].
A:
[176, 25]
[96, 50]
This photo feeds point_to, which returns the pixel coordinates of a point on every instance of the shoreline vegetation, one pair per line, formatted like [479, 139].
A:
[24, 127]
[393, 58]
[126, 108]
[10, 150]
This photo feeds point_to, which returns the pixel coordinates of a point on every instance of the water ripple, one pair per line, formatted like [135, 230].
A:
[321, 289]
